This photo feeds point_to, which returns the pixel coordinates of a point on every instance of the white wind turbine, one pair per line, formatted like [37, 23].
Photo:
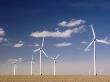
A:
[41, 51]
[32, 62]
[100, 72]
[14, 62]
[94, 40]
[54, 63]
[89, 71]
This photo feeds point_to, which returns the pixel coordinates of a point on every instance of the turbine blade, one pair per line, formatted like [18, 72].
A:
[42, 43]
[103, 41]
[36, 50]
[87, 48]
[93, 31]
[57, 56]
[45, 53]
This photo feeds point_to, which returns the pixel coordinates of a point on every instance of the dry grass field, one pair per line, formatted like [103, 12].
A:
[54, 79]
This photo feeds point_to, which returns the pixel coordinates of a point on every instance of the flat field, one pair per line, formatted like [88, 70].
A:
[65, 78]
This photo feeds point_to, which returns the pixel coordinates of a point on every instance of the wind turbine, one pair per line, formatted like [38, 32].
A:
[41, 51]
[94, 40]
[32, 62]
[14, 62]
[89, 71]
[100, 72]
[54, 63]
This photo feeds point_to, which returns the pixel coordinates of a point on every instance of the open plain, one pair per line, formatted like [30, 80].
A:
[62, 78]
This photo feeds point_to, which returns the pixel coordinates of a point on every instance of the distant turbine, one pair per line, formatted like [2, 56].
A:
[54, 63]
[94, 40]
[89, 71]
[41, 51]
[14, 62]
[100, 72]
[32, 62]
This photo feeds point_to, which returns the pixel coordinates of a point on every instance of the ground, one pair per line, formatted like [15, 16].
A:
[62, 78]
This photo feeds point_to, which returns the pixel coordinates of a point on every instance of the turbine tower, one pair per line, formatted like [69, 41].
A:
[54, 63]
[41, 51]
[94, 40]
[32, 62]
[14, 68]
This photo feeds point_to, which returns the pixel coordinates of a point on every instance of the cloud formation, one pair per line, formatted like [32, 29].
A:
[2, 39]
[36, 45]
[64, 34]
[57, 34]
[76, 27]
[2, 32]
[19, 44]
[2, 36]
[71, 23]
[64, 44]
[84, 42]
[33, 45]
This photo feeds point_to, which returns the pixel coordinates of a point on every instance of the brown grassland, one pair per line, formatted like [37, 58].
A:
[76, 78]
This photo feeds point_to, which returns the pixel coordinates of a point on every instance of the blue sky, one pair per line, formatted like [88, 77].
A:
[20, 18]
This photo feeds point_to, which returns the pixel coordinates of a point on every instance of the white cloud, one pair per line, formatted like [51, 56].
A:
[86, 50]
[71, 23]
[2, 39]
[64, 34]
[2, 32]
[63, 23]
[19, 44]
[79, 25]
[2, 36]
[64, 44]
[84, 42]
[33, 45]
[36, 45]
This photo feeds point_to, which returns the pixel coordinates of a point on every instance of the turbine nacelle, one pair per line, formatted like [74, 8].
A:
[33, 62]
[54, 58]
[14, 62]
[41, 49]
